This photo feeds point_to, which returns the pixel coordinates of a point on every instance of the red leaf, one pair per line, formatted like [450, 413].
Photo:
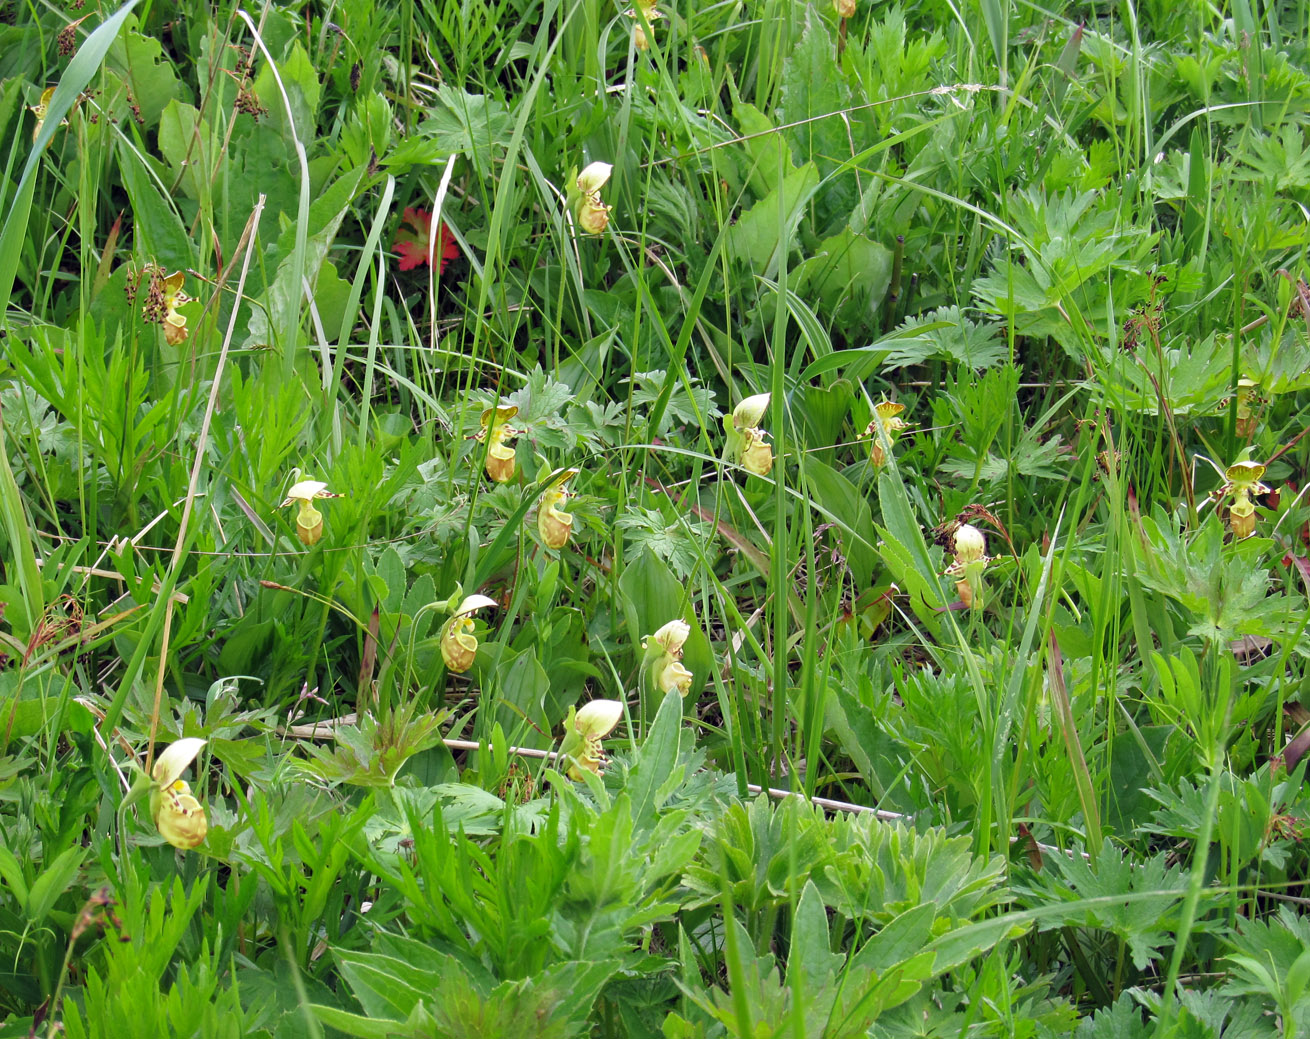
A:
[413, 243]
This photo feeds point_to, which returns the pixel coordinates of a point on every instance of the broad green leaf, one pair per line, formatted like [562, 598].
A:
[160, 233]
[766, 231]
[139, 59]
[184, 141]
[810, 959]
[847, 275]
[54, 880]
[851, 511]
[902, 938]
[656, 759]
[770, 157]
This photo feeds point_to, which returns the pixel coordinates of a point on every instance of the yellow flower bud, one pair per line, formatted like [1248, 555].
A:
[844, 8]
[1247, 419]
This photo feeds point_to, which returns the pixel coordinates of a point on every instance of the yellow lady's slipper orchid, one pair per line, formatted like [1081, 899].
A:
[1243, 480]
[179, 817]
[970, 547]
[163, 295]
[553, 523]
[309, 521]
[40, 109]
[583, 731]
[886, 420]
[748, 445]
[589, 211]
[1248, 402]
[664, 670]
[651, 14]
[175, 330]
[458, 643]
[497, 431]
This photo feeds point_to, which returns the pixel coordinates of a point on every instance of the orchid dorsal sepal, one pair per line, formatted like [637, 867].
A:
[472, 603]
[969, 546]
[1246, 476]
[599, 718]
[497, 415]
[175, 760]
[750, 411]
[594, 176]
[671, 637]
[307, 491]
[560, 477]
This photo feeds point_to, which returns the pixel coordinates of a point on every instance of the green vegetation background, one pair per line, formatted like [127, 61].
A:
[244, 249]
